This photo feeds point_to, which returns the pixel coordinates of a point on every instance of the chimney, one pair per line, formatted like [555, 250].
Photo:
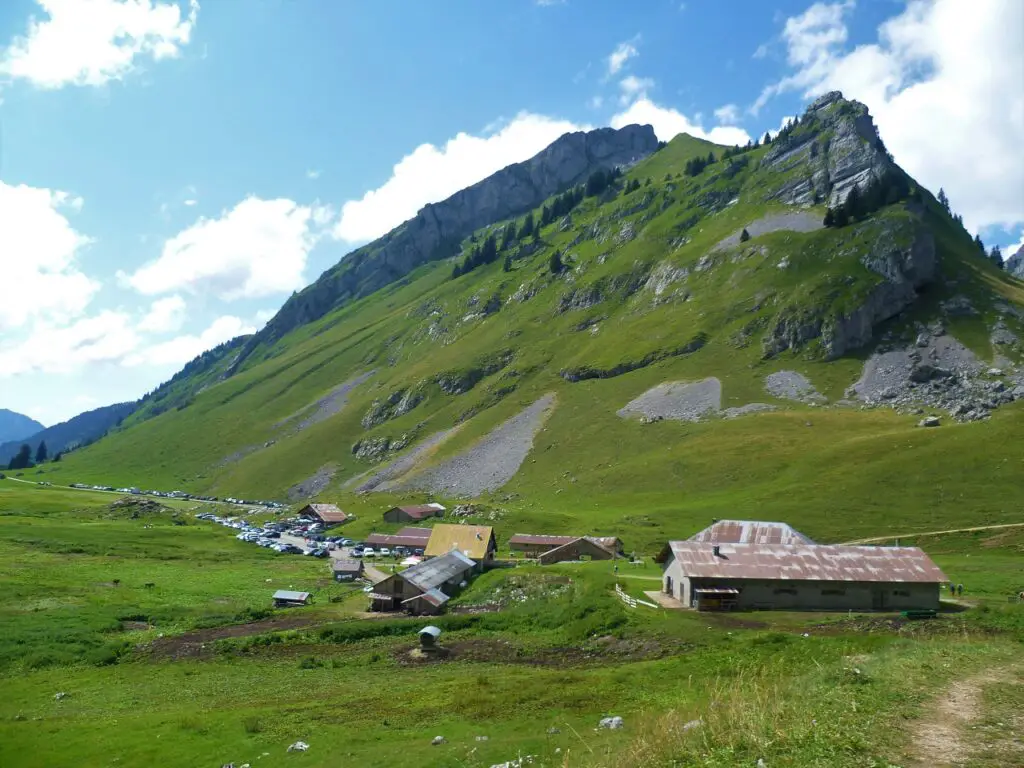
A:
[717, 550]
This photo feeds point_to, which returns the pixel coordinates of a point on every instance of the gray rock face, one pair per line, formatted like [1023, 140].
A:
[904, 270]
[436, 231]
[851, 156]
[791, 385]
[1015, 264]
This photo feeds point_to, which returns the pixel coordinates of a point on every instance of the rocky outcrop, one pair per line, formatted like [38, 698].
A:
[1015, 264]
[438, 229]
[904, 269]
[836, 148]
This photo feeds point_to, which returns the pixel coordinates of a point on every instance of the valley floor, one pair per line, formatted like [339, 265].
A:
[99, 669]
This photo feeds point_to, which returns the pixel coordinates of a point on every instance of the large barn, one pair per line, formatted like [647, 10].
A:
[763, 573]
[327, 514]
[535, 545]
[424, 588]
[475, 541]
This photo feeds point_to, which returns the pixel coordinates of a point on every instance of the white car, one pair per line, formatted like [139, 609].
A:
[385, 552]
[368, 552]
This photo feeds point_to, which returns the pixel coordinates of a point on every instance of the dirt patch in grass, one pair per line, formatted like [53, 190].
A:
[944, 736]
[605, 650]
[941, 625]
[199, 643]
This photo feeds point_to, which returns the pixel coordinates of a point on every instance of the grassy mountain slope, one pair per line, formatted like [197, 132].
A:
[657, 287]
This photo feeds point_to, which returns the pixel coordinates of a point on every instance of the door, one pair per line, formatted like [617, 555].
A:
[668, 585]
[878, 601]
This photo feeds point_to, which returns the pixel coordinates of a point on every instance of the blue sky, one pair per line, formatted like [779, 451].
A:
[170, 172]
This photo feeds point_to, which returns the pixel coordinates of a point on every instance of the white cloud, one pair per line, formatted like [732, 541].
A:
[634, 87]
[762, 51]
[184, 348]
[164, 315]
[728, 114]
[189, 203]
[943, 82]
[623, 52]
[39, 279]
[430, 173]
[92, 42]
[313, 173]
[105, 337]
[668, 123]
[257, 248]
[596, 102]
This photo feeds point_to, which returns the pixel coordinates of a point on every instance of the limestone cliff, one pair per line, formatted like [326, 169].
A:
[1015, 264]
[438, 229]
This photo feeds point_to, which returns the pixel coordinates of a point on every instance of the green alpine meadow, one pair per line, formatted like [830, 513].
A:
[633, 453]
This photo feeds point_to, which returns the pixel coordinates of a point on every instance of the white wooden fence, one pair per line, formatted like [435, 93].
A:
[632, 602]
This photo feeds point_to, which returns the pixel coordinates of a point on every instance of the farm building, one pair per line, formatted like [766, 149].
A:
[424, 588]
[710, 576]
[750, 532]
[534, 545]
[346, 570]
[284, 598]
[415, 538]
[328, 514]
[583, 548]
[475, 541]
[413, 513]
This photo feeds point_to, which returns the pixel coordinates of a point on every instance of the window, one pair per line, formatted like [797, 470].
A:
[833, 592]
[901, 592]
[785, 591]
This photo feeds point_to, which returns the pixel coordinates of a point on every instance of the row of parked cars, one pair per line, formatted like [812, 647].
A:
[181, 495]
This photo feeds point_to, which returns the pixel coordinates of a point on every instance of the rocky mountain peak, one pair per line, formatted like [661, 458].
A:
[834, 147]
[438, 229]
[1015, 264]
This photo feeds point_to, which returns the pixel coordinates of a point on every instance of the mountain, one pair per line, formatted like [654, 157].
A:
[683, 337]
[1015, 264]
[15, 426]
[436, 231]
[73, 433]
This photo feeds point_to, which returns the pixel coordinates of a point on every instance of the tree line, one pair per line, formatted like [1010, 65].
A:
[23, 458]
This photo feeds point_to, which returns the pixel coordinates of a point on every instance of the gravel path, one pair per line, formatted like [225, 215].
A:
[677, 400]
[797, 221]
[492, 462]
[790, 385]
[384, 478]
[326, 406]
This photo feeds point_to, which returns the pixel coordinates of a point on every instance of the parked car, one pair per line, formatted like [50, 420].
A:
[385, 552]
[368, 552]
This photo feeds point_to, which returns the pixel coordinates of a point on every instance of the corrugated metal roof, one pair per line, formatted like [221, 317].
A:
[434, 597]
[329, 513]
[750, 532]
[420, 511]
[436, 571]
[396, 540]
[608, 542]
[346, 566]
[285, 594]
[471, 540]
[578, 544]
[813, 562]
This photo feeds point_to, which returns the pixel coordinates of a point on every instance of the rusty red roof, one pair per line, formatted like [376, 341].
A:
[407, 537]
[328, 513]
[409, 530]
[750, 532]
[813, 562]
[608, 542]
[421, 511]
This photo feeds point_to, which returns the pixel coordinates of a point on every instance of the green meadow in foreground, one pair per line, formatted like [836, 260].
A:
[197, 669]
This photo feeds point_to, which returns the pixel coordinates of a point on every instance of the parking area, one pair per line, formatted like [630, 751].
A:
[302, 537]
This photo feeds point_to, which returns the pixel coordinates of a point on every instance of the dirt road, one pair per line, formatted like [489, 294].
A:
[891, 537]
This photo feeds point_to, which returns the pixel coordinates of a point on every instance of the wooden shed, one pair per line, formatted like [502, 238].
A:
[346, 569]
[413, 513]
[583, 548]
[285, 598]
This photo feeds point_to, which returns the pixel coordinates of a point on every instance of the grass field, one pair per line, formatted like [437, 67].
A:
[197, 670]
